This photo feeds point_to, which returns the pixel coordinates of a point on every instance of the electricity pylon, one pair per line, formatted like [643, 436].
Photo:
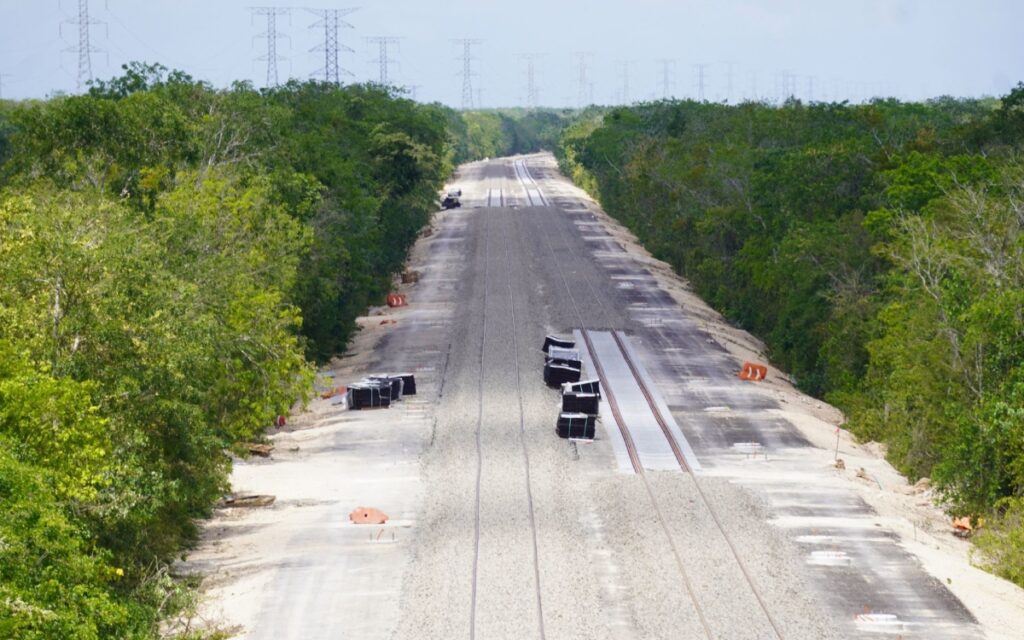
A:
[330, 21]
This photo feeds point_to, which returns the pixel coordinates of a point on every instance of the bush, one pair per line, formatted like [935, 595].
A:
[1001, 541]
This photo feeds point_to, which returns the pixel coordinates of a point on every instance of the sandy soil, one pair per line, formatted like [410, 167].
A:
[298, 568]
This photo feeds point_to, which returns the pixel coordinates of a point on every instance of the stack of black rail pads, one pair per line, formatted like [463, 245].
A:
[380, 390]
[562, 363]
[580, 406]
[580, 399]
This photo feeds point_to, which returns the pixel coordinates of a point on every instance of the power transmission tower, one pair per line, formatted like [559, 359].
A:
[532, 94]
[699, 69]
[331, 20]
[84, 48]
[585, 88]
[668, 69]
[271, 35]
[624, 65]
[729, 65]
[788, 86]
[810, 88]
[383, 59]
[467, 70]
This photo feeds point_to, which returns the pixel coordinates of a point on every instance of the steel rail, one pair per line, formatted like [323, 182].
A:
[696, 482]
[522, 430]
[627, 438]
[479, 427]
[522, 438]
[606, 389]
[649, 397]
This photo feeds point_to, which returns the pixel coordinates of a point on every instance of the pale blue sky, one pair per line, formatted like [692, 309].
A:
[835, 49]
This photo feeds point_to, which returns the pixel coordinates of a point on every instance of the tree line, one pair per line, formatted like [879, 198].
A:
[175, 260]
[876, 248]
[493, 133]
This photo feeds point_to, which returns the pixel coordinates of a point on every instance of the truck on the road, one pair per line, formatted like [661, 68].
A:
[451, 201]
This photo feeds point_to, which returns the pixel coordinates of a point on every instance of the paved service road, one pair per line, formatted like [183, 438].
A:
[523, 535]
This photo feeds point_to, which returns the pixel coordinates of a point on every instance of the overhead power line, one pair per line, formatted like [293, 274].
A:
[271, 35]
[624, 65]
[668, 71]
[532, 94]
[467, 72]
[700, 69]
[584, 87]
[383, 60]
[729, 66]
[84, 49]
[331, 21]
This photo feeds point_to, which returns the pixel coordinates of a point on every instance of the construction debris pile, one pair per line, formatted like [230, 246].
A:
[380, 390]
[580, 399]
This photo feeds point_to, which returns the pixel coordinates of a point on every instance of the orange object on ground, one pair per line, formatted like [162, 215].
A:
[330, 393]
[396, 300]
[368, 515]
[755, 372]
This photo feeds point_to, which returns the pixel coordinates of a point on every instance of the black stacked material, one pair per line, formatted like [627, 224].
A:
[394, 382]
[555, 341]
[368, 394]
[408, 383]
[558, 374]
[570, 357]
[583, 386]
[580, 403]
[575, 425]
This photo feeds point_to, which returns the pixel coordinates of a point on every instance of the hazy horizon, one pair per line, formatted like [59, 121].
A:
[909, 49]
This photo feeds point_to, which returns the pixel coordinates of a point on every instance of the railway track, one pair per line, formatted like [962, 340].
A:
[522, 173]
[479, 428]
[533, 193]
[524, 450]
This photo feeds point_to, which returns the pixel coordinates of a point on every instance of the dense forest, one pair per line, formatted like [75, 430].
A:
[175, 260]
[876, 248]
[495, 133]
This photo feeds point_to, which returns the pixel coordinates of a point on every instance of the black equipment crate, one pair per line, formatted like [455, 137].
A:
[583, 386]
[576, 425]
[364, 395]
[555, 341]
[558, 374]
[587, 403]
